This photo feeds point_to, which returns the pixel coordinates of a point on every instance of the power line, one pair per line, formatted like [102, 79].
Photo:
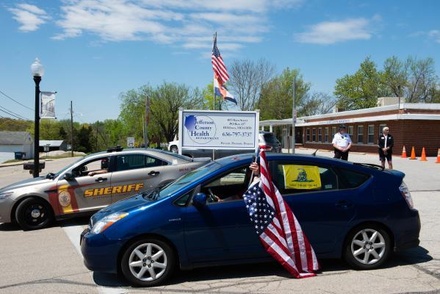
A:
[1, 92]
[2, 109]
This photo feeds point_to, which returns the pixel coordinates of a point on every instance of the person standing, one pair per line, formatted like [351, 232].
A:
[341, 143]
[386, 143]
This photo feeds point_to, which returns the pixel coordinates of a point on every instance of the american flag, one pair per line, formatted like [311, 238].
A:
[219, 67]
[278, 229]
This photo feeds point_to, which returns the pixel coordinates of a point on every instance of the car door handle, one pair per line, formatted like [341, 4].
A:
[344, 204]
[153, 173]
[101, 179]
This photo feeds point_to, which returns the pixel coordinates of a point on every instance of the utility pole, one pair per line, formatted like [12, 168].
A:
[293, 113]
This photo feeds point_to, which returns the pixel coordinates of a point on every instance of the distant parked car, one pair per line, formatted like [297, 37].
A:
[357, 212]
[90, 184]
[266, 140]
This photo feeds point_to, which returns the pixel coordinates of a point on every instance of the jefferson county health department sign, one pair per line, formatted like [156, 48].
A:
[218, 129]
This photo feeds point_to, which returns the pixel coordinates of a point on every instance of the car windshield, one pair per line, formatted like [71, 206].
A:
[54, 175]
[187, 178]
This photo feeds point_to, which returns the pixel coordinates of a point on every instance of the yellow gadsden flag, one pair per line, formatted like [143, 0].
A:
[301, 177]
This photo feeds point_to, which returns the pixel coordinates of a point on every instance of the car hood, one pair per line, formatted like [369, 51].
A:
[124, 205]
[27, 183]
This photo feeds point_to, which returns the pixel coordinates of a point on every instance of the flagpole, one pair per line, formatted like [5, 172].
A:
[214, 37]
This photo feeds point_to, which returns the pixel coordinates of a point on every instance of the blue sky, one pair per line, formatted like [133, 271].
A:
[94, 50]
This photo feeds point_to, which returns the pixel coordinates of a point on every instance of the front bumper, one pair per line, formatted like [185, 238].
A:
[100, 254]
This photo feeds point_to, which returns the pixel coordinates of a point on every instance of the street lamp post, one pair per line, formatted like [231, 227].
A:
[37, 70]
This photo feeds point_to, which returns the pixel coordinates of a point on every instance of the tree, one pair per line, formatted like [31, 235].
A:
[247, 79]
[164, 104]
[84, 139]
[422, 81]
[394, 77]
[360, 90]
[49, 129]
[317, 103]
[276, 101]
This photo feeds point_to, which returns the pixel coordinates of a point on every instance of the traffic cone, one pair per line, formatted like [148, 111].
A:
[438, 156]
[413, 154]
[404, 152]
[423, 158]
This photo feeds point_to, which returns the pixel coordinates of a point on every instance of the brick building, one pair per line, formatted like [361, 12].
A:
[411, 124]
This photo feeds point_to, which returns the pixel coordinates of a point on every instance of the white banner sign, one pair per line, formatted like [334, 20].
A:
[218, 129]
[47, 105]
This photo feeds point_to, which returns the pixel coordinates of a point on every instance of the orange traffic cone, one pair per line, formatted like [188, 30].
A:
[438, 156]
[423, 158]
[413, 154]
[404, 152]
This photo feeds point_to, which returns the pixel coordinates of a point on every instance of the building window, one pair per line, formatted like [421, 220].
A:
[319, 135]
[307, 135]
[333, 132]
[326, 134]
[360, 134]
[350, 131]
[314, 135]
[381, 126]
[371, 134]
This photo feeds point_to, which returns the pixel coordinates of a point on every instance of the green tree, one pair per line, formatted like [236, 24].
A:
[84, 139]
[49, 129]
[276, 101]
[360, 90]
[164, 104]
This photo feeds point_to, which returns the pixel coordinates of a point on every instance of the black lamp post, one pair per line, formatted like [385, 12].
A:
[37, 72]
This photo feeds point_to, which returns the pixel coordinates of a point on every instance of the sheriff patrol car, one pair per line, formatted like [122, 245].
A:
[90, 184]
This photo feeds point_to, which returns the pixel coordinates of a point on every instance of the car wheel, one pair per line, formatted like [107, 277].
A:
[148, 262]
[33, 213]
[174, 149]
[367, 247]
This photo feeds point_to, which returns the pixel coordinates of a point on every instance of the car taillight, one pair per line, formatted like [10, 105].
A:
[265, 147]
[406, 194]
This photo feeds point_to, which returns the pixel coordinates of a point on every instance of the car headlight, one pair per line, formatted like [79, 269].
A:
[5, 195]
[102, 225]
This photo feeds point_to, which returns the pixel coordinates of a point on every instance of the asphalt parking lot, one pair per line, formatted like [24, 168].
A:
[49, 261]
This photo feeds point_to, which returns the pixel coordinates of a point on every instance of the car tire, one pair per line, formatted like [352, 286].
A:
[367, 247]
[33, 214]
[148, 262]
[174, 149]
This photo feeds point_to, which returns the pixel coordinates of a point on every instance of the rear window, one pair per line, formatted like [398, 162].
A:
[351, 179]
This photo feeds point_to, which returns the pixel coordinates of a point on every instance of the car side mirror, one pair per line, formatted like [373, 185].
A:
[69, 176]
[199, 200]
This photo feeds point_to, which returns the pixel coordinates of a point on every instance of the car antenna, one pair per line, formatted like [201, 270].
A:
[314, 153]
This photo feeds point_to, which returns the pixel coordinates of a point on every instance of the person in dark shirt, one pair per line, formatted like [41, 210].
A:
[385, 144]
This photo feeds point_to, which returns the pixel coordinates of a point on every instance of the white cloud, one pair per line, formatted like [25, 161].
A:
[189, 23]
[30, 17]
[435, 35]
[335, 32]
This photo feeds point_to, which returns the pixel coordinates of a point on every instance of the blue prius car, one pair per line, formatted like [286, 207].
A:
[357, 212]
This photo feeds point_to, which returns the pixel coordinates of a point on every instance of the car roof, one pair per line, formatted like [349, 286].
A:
[151, 151]
[306, 158]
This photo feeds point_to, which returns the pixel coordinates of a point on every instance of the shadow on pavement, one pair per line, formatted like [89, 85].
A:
[329, 266]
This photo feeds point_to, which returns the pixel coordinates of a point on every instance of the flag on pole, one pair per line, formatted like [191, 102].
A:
[277, 227]
[218, 65]
[220, 90]
[47, 107]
